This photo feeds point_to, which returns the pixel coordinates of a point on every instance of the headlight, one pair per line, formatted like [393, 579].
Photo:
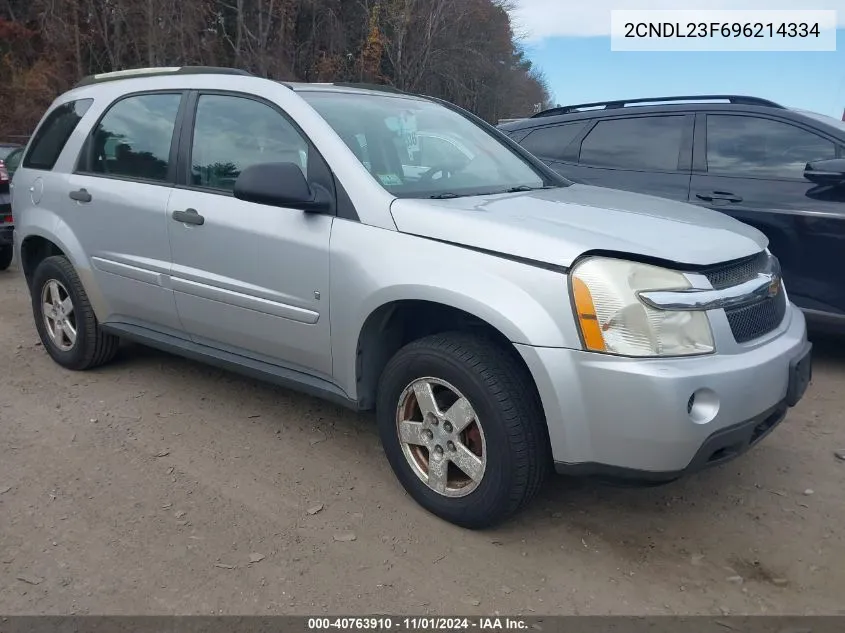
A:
[612, 318]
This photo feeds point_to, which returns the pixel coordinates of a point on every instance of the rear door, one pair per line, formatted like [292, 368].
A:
[118, 207]
[648, 154]
[751, 167]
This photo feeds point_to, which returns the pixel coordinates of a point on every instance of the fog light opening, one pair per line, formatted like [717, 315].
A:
[703, 406]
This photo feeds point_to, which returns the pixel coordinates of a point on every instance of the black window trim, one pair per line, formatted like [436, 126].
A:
[684, 163]
[702, 168]
[31, 145]
[83, 160]
[574, 142]
[342, 202]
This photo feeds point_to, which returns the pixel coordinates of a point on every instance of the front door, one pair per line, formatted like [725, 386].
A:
[754, 172]
[250, 279]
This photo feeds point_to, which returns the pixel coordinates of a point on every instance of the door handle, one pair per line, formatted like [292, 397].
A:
[722, 196]
[81, 195]
[188, 216]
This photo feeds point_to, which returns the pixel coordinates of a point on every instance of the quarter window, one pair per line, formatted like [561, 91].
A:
[51, 137]
[550, 142]
[134, 137]
[642, 143]
[231, 133]
[761, 148]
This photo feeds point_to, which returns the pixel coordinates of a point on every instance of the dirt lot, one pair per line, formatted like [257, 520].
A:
[158, 485]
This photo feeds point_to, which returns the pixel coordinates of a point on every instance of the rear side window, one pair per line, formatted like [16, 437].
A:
[51, 137]
[550, 142]
[134, 137]
[642, 143]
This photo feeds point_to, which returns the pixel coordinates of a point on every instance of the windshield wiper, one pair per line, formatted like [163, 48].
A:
[517, 189]
[527, 188]
[444, 196]
[448, 195]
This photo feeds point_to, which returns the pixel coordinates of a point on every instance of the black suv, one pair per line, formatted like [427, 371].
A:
[6, 150]
[778, 169]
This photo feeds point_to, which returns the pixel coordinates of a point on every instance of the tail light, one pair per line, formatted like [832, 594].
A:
[6, 219]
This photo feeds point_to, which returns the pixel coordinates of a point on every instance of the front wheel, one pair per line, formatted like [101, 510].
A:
[462, 428]
[6, 254]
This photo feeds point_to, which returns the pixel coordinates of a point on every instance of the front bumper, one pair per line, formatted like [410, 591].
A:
[636, 418]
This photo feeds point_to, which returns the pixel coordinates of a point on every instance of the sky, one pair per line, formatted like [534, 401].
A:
[569, 41]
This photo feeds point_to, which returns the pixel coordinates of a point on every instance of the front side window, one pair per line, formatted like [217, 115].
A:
[641, 143]
[416, 148]
[232, 133]
[761, 148]
[133, 139]
[53, 134]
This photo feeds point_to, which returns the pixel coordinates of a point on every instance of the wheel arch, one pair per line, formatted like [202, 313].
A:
[38, 244]
[393, 324]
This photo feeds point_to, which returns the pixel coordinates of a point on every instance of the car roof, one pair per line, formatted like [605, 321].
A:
[660, 105]
[151, 73]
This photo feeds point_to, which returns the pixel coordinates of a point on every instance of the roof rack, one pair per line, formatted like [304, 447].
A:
[609, 105]
[366, 86]
[158, 71]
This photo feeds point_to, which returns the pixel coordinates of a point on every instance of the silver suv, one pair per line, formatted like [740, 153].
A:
[393, 252]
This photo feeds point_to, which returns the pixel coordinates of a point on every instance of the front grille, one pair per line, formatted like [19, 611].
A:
[755, 320]
[738, 272]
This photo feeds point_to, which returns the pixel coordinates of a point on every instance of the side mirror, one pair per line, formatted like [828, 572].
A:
[826, 172]
[281, 185]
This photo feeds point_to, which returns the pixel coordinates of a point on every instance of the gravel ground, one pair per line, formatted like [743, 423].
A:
[159, 485]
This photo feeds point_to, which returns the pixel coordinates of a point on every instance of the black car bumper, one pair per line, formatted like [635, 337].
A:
[7, 235]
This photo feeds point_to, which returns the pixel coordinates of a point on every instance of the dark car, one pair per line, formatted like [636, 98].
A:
[7, 151]
[775, 168]
[13, 160]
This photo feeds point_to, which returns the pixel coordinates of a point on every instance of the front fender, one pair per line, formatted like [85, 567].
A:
[374, 267]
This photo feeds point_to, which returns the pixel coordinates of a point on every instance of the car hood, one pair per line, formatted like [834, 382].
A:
[556, 226]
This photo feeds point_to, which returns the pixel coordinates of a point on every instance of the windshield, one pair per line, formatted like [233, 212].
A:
[420, 149]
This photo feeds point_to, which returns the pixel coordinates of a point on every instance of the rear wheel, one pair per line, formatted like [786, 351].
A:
[6, 254]
[65, 320]
[462, 428]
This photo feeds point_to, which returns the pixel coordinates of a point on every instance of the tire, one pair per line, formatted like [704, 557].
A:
[6, 254]
[513, 448]
[91, 346]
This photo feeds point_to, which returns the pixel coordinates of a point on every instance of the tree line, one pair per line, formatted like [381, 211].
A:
[465, 51]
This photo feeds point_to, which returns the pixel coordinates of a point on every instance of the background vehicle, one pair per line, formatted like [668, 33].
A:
[777, 169]
[7, 151]
[13, 160]
[392, 251]
[8, 148]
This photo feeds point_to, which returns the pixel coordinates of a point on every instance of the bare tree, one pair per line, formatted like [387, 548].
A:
[461, 50]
